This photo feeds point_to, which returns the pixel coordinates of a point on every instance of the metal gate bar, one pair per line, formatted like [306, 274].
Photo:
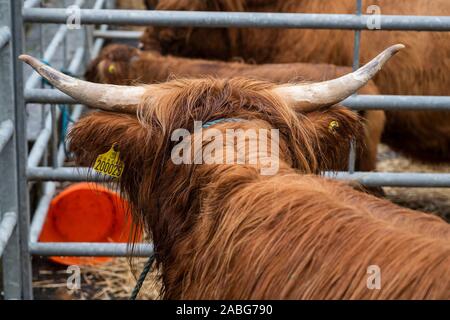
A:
[397, 179]
[117, 34]
[90, 249]
[239, 19]
[359, 102]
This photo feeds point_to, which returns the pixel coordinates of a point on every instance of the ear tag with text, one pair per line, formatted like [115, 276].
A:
[109, 163]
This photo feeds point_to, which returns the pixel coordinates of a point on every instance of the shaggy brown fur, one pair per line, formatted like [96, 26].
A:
[124, 65]
[421, 70]
[135, 4]
[226, 232]
[151, 4]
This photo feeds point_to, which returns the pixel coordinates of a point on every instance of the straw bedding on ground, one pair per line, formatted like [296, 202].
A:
[112, 280]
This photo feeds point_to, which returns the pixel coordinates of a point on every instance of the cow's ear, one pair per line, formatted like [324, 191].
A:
[97, 132]
[333, 130]
[92, 72]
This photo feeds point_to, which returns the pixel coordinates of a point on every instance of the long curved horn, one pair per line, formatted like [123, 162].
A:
[106, 97]
[314, 96]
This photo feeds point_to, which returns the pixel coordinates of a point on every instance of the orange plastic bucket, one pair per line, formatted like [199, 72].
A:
[86, 212]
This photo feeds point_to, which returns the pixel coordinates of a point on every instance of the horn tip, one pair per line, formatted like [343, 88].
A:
[25, 58]
[32, 61]
[397, 47]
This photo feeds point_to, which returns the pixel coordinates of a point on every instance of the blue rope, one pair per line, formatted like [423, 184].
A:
[65, 120]
[214, 122]
[142, 277]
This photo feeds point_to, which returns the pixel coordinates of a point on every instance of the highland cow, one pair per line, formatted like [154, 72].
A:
[422, 135]
[125, 65]
[224, 231]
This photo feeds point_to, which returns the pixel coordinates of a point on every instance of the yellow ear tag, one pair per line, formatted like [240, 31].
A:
[333, 126]
[112, 68]
[109, 163]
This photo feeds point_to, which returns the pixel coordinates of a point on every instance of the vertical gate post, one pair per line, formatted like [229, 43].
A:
[11, 259]
[17, 32]
[356, 45]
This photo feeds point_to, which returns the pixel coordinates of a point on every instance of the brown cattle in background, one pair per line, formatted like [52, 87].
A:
[125, 65]
[224, 231]
[425, 67]
[136, 4]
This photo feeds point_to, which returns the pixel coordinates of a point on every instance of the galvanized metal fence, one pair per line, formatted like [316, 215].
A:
[18, 233]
